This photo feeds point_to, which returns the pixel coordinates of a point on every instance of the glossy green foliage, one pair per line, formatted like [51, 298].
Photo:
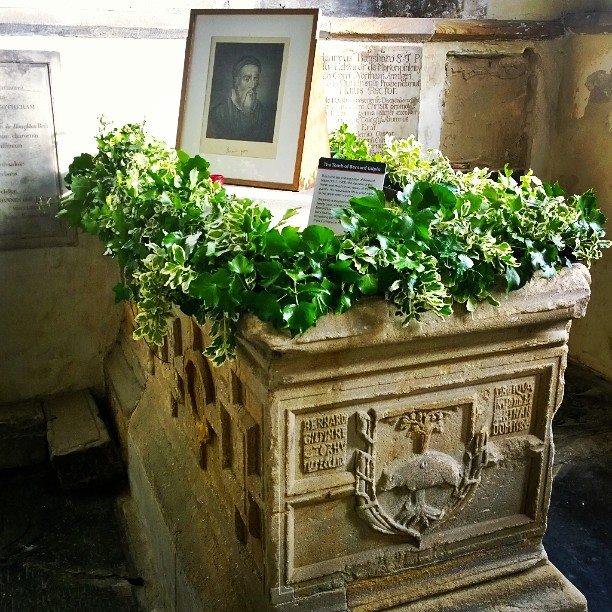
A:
[182, 240]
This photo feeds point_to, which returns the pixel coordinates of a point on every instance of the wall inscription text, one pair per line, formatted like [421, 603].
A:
[374, 88]
[29, 168]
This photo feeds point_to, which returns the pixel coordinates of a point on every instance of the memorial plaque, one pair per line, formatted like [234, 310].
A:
[374, 88]
[29, 169]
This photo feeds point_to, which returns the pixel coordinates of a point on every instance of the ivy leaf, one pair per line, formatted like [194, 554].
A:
[171, 238]
[300, 317]
[274, 244]
[513, 280]
[292, 238]
[80, 165]
[344, 271]
[122, 292]
[537, 260]
[191, 242]
[290, 212]
[204, 288]
[182, 156]
[71, 212]
[368, 284]
[269, 272]
[81, 186]
[344, 303]
[241, 265]
[266, 307]
[178, 253]
[465, 262]
[318, 239]
[422, 221]
[367, 203]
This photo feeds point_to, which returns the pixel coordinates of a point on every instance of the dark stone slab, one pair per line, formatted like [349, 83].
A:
[23, 435]
[81, 449]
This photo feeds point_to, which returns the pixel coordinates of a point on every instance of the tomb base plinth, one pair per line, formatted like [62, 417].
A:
[361, 466]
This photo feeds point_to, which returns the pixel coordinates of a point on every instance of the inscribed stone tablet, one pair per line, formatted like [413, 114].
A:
[374, 88]
[28, 155]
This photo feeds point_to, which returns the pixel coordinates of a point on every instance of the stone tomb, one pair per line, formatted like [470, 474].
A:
[361, 466]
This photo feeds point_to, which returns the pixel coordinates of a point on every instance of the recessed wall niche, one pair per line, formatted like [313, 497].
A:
[488, 110]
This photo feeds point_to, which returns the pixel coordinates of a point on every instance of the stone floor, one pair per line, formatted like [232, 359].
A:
[578, 539]
[63, 554]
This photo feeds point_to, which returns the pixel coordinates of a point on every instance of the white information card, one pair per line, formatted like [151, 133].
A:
[339, 180]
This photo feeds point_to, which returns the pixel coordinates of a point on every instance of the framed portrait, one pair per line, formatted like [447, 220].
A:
[245, 94]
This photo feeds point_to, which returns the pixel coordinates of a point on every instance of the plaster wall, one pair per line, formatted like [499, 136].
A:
[582, 154]
[57, 317]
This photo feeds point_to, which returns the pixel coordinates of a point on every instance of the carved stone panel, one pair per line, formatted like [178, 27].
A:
[429, 471]
[419, 468]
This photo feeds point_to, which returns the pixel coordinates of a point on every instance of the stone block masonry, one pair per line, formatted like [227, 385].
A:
[80, 447]
[361, 466]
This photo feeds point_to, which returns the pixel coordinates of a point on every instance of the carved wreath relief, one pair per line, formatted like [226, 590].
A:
[427, 487]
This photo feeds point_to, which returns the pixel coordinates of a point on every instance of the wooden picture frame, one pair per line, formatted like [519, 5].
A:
[246, 91]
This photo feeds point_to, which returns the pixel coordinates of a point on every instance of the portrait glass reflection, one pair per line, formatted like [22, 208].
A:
[244, 90]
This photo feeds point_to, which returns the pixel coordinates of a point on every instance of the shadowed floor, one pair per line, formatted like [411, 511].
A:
[63, 553]
[578, 538]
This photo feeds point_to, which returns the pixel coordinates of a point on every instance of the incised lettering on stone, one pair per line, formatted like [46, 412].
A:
[29, 169]
[324, 442]
[373, 88]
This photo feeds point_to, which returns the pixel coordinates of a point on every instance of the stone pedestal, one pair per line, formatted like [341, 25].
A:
[361, 466]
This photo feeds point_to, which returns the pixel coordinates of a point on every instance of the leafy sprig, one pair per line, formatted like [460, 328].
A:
[181, 239]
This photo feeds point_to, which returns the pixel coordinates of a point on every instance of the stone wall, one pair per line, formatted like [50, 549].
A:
[582, 154]
[125, 61]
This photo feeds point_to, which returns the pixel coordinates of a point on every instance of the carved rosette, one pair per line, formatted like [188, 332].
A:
[412, 478]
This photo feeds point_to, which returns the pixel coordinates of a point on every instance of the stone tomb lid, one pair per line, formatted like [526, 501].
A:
[372, 322]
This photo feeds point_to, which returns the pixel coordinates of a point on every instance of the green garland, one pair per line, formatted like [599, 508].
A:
[181, 239]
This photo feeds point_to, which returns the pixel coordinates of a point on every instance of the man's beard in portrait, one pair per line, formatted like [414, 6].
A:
[245, 100]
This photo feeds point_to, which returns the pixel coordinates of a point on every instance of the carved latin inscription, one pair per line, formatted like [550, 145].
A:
[323, 442]
[512, 404]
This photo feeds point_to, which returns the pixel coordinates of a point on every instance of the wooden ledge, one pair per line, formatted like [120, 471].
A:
[172, 23]
[401, 29]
